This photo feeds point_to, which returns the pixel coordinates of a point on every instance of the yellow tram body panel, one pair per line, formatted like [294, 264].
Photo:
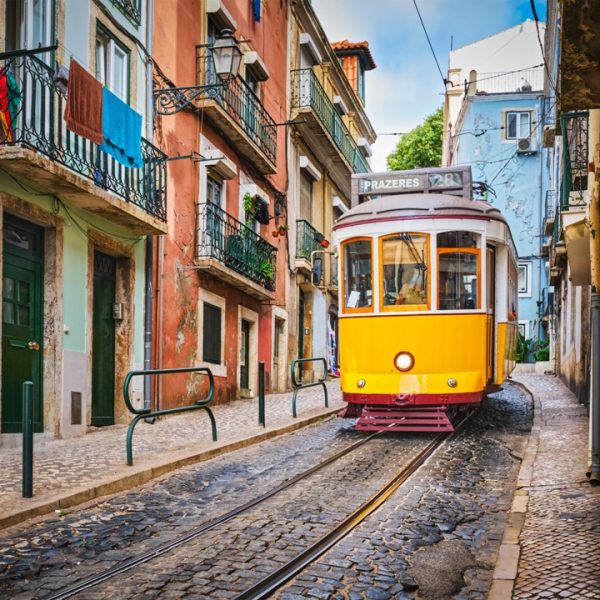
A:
[506, 348]
[444, 346]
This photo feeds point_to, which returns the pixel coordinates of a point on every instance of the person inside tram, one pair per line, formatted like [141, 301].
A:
[412, 291]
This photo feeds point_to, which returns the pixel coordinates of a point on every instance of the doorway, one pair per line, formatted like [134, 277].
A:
[22, 315]
[245, 355]
[103, 340]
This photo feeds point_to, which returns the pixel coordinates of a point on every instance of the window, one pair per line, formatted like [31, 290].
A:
[358, 274]
[360, 82]
[112, 64]
[458, 271]
[404, 271]
[518, 125]
[211, 334]
[524, 279]
[29, 25]
[214, 189]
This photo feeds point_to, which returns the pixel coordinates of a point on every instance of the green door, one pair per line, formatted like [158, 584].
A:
[245, 355]
[103, 341]
[22, 297]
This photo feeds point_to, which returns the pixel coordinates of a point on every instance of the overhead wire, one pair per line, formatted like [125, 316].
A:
[539, 37]
[444, 80]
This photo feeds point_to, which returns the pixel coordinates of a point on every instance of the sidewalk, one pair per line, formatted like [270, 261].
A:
[550, 547]
[69, 472]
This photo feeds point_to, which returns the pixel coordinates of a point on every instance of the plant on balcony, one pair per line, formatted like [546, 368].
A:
[267, 272]
[256, 209]
[281, 230]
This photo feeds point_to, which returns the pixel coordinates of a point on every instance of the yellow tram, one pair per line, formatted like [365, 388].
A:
[428, 299]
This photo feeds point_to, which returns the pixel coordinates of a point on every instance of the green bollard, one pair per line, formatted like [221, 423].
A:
[28, 439]
[261, 394]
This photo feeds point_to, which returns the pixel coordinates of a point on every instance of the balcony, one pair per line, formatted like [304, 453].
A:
[324, 131]
[232, 252]
[306, 244]
[131, 9]
[550, 212]
[527, 80]
[239, 114]
[38, 148]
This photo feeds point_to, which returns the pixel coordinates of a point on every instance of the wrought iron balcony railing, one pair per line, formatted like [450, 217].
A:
[131, 9]
[37, 123]
[527, 80]
[307, 91]
[575, 131]
[240, 103]
[306, 241]
[234, 244]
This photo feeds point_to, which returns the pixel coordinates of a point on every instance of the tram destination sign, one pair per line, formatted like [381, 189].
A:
[450, 180]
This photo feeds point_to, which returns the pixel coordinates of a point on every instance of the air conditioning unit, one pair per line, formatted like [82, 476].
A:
[526, 146]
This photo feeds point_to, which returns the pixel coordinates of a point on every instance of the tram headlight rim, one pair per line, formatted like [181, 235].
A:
[404, 361]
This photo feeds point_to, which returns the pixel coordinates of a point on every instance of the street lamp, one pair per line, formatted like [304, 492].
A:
[226, 56]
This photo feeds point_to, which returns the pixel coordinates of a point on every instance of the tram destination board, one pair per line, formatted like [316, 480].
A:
[450, 180]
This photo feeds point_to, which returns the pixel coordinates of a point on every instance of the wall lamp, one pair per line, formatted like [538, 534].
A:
[226, 57]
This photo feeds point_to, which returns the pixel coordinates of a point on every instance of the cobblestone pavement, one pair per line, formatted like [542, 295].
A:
[560, 551]
[438, 536]
[72, 471]
[61, 550]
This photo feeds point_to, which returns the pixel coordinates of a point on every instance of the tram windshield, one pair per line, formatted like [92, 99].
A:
[458, 266]
[404, 264]
[358, 274]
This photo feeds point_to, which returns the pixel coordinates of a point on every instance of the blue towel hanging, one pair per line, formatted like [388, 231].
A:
[122, 130]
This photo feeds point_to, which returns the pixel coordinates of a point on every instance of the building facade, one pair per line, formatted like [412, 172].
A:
[572, 218]
[77, 205]
[330, 138]
[494, 110]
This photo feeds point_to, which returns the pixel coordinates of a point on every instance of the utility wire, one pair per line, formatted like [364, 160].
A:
[445, 81]
[539, 37]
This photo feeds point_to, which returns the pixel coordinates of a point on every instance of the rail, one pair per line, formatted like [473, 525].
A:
[306, 239]
[144, 413]
[298, 385]
[38, 101]
[307, 91]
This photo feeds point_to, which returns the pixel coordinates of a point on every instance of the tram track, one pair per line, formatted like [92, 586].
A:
[161, 549]
[280, 576]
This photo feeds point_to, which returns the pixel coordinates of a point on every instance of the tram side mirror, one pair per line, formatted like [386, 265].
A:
[317, 270]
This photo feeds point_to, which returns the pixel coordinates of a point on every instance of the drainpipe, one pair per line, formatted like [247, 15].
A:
[595, 341]
[149, 239]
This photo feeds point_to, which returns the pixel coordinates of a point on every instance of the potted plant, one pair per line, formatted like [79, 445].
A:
[281, 230]
[267, 272]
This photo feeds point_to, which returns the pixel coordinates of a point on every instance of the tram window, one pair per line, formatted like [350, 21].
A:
[358, 274]
[458, 288]
[457, 239]
[404, 264]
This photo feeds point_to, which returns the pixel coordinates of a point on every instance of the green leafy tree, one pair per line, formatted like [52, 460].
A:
[420, 147]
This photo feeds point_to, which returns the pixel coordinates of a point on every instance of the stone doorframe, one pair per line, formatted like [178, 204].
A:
[52, 335]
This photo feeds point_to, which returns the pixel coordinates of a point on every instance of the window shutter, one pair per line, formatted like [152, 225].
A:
[211, 334]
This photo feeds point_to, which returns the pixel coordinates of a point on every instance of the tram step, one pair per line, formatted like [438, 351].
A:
[412, 419]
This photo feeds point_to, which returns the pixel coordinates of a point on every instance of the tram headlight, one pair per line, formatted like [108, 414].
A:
[404, 361]
[361, 383]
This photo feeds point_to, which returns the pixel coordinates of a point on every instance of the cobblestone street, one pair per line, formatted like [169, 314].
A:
[437, 536]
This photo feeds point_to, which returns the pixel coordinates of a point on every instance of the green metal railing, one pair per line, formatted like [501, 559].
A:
[131, 9]
[234, 244]
[306, 241]
[307, 91]
[297, 383]
[147, 413]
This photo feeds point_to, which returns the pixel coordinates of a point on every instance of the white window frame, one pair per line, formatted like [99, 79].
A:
[520, 114]
[524, 292]
[525, 328]
[107, 48]
[219, 370]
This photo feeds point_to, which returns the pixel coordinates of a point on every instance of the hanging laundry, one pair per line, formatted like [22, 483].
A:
[83, 113]
[122, 129]
[256, 9]
[10, 100]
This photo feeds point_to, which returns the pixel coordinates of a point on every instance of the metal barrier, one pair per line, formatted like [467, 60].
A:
[298, 385]
[143, 413]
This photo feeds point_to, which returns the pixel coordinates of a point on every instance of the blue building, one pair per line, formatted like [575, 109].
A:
[494, 114]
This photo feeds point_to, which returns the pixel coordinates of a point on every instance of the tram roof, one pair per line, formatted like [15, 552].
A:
[419, 205]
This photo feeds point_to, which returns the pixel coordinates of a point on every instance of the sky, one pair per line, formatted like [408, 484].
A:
[406, 86]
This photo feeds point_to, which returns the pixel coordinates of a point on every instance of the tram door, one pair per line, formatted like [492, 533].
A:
[490, 311]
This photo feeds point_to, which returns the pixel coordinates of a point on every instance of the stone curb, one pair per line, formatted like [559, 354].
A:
[137, 475]
[507, 562]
